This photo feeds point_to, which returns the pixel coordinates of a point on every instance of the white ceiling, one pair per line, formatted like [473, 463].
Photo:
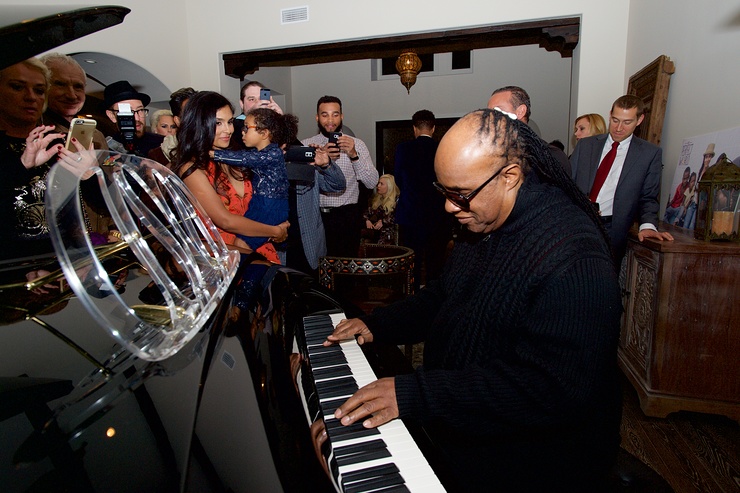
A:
[103, 69]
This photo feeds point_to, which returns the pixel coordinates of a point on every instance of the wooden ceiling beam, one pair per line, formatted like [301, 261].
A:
[559, 35]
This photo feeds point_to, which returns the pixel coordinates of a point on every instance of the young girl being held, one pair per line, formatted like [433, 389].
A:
[264, 133]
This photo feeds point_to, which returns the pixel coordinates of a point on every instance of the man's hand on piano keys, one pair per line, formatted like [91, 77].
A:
[376, 400]
[347, 329]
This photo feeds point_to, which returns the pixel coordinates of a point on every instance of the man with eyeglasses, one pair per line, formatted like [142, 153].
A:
[123, 93]
[520, 386]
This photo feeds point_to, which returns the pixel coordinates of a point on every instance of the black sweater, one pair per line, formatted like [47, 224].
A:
[519, 384]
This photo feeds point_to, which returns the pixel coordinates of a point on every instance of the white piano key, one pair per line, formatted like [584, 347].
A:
[405, 454]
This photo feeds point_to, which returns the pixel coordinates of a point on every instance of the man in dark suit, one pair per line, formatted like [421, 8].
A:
[423, 225]
[630, 188]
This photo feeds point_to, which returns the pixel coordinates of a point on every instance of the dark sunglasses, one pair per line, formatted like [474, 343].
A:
[463, 201]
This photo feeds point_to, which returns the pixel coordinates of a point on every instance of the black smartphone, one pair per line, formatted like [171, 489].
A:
[264, 94]
[333, 137]
[300, 154]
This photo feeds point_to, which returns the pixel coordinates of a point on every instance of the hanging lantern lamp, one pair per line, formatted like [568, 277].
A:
[408, 66]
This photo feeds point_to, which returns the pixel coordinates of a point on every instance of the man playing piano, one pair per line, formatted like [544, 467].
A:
[519, 386]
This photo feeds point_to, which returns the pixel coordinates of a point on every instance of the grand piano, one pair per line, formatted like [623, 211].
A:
[143, 365]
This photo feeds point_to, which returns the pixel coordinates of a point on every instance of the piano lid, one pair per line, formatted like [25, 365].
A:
[31, 30]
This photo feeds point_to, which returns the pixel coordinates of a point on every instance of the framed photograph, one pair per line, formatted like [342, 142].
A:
[651, 85]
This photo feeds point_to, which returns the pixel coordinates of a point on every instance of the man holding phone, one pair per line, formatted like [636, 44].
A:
[340, 211]
[66, 95]
[253, 94]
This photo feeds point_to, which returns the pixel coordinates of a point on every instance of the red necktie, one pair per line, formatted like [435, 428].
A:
[603, 172]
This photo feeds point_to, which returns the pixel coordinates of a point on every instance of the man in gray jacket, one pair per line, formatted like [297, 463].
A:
[306, 237]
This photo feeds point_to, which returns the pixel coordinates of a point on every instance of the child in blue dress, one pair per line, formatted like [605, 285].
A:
[264, 133]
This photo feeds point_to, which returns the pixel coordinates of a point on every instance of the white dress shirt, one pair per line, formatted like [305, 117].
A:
[605, 198]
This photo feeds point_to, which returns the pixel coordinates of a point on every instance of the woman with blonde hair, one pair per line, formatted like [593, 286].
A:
[380, 221]
[163, 123]
[588, 125]
[28, 150]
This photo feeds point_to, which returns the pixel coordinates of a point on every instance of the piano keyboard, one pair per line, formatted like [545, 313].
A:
[383, 459]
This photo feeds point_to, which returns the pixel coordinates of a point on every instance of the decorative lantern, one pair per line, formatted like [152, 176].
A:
[408, 66]
[718, 214]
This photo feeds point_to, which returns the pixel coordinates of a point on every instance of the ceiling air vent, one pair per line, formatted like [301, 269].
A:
[228, 360]
[295, 14]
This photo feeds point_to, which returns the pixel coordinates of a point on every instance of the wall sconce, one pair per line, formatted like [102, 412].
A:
[718, 215]
[408, 66]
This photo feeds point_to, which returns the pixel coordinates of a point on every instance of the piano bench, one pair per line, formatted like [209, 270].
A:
[631, 475]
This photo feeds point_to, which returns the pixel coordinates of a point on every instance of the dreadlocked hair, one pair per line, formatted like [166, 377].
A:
[520, 144]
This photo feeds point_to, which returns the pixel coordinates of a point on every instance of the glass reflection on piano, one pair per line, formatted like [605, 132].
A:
[65, 382]
[230, 390]
[168, 236]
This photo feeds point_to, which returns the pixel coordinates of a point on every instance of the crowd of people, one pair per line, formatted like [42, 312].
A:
[520, 321]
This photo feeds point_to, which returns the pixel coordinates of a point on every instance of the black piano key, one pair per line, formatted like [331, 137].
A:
[348, 433]
[317, 338]
[400, 488]
[321, 350]
[328, 359]
[378, 443]
[331, 371]
[311, 320]
[339, 391]
[324, 349]
[324, 383]
[341, 432]
[361, 452]
[369, 472]
[329, 406]
[363, 457]
[316, 331]
[373, 484]
[336, 387]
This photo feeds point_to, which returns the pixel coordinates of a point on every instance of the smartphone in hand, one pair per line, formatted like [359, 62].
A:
[81, 129]
[264, 94]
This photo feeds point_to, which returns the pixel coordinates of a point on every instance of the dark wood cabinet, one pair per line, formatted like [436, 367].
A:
[680, 340]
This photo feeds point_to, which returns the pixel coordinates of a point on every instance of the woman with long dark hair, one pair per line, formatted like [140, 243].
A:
[223, 191]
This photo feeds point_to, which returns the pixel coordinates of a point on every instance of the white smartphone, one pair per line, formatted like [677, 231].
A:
[81, 129]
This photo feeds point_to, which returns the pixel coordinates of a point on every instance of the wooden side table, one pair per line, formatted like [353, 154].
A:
[680, 340]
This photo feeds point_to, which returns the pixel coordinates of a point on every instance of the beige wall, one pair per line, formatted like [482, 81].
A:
[196, 32]
[617, 38]
[703, 40]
